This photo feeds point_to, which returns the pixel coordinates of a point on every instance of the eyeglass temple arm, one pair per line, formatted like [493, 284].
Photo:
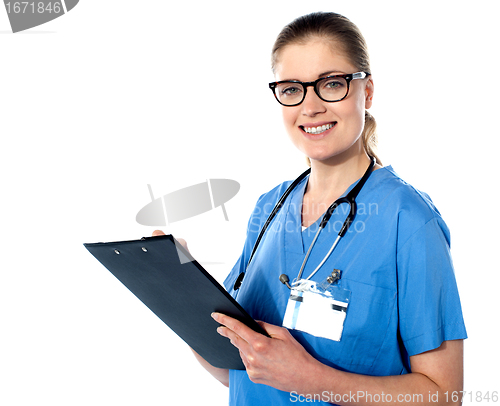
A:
[360, 75]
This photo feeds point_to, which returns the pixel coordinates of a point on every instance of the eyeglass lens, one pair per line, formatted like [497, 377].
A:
[329, 89]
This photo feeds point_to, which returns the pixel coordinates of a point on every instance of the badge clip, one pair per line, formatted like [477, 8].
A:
[330, 280]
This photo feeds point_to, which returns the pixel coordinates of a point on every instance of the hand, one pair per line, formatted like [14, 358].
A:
[181, 241]
[279, 361]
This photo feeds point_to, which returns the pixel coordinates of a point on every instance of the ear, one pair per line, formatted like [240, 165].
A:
[369, 89]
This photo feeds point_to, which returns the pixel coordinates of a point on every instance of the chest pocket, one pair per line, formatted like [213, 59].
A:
[370, 330]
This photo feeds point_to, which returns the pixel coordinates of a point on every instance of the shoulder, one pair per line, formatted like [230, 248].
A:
[411, 207]
[265, 205]
[405, 197]
[273, 195]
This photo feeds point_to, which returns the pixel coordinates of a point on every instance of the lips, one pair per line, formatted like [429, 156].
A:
[317, 128]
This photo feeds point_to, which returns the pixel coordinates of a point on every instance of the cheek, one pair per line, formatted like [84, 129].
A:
[354, 113]
[289, 115]
[290, 119]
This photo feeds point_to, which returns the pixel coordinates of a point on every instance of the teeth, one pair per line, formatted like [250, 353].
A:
[318, 130]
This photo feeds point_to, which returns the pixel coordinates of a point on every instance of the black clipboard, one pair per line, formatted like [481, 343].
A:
[164, 276]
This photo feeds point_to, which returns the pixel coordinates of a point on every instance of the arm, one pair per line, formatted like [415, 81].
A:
[281, 362]
[222, 375]
[436, 375]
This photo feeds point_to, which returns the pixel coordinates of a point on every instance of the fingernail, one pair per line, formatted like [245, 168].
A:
[215, 316]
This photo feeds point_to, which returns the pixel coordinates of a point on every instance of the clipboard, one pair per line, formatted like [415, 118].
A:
[174, 286]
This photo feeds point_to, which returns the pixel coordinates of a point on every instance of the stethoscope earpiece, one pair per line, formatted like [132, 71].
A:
[284, 280]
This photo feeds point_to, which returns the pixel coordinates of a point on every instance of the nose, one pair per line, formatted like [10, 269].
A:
[312, 104]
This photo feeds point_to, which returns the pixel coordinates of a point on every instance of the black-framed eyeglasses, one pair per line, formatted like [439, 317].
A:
[329, 89]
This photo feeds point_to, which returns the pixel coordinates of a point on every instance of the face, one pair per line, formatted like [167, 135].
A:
[344, 120]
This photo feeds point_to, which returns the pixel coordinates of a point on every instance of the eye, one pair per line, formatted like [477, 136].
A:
[332, 88]
[290, 90]
[333, 84]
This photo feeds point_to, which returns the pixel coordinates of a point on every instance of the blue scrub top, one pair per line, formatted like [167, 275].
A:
[395, 259]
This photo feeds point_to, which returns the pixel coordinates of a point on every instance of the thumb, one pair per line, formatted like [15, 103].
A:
[274, 331]
[183, 242]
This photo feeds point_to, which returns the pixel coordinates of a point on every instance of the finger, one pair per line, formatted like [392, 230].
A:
[234, 338]
[236, 326]
[183, 242]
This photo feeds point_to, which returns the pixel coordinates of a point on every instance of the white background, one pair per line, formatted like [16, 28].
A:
[119, 94]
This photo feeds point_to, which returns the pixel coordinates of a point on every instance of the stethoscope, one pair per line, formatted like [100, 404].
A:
[350, 199]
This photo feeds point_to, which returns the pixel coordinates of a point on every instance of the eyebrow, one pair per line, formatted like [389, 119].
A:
[321, 75]
[335, 71]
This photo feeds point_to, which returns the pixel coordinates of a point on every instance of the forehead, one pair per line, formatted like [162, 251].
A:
[307, 62]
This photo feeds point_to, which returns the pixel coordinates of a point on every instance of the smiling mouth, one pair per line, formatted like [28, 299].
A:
[319, 129]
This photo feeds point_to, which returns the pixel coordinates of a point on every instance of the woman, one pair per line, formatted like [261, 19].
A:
[399, 338]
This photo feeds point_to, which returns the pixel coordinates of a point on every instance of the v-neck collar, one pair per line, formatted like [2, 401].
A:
[295, 239]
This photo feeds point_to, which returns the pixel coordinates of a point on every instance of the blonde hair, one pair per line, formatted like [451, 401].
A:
[341, 31]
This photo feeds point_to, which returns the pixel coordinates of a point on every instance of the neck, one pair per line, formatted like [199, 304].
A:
[329, 179]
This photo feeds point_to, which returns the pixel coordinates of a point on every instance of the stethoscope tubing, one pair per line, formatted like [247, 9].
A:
[350, 199]
[277, 207]
[322, 262]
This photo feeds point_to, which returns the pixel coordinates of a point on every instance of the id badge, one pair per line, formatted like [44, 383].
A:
[317, 311]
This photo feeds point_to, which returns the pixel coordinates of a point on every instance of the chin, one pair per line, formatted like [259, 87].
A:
[322, 155]
[334, 152]
[328, 157]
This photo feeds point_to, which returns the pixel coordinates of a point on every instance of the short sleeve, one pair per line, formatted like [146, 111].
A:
[428, 301]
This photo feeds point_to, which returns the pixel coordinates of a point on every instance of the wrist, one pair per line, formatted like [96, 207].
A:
[315, 379]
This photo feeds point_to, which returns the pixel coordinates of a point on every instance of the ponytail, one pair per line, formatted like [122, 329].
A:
[370, 138]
